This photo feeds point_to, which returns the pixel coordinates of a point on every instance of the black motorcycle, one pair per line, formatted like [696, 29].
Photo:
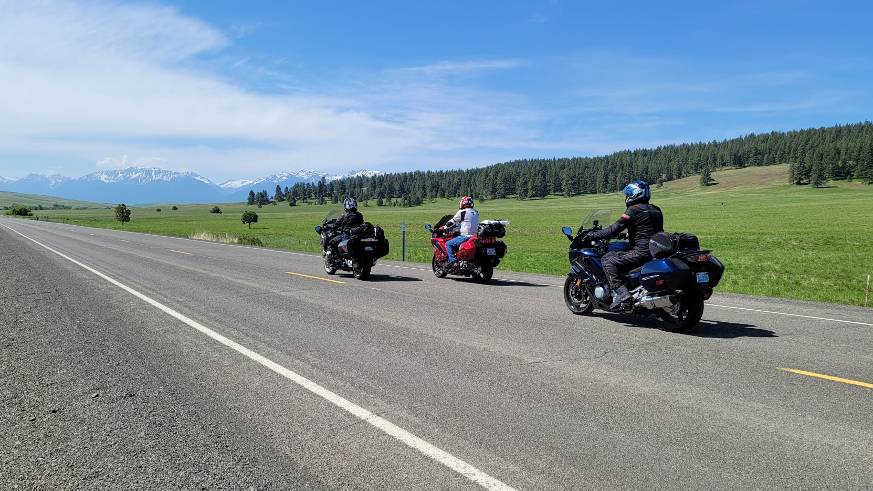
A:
[357, 250]
[672, 286]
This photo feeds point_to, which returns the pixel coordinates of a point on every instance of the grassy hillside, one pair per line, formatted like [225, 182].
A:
[32, 200]
[775, 239]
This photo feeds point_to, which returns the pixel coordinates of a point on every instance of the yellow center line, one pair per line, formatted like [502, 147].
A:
[829, 377]
[315, 277]
[180, 252]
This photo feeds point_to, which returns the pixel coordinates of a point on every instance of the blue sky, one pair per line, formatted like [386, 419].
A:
[238, 89]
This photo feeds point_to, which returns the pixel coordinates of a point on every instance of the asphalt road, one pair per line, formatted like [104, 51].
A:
[172, 363]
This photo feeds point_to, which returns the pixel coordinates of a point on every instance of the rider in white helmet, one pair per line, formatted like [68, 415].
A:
[467, 219]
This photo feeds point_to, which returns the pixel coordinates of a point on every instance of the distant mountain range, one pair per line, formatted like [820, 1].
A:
[139, 185]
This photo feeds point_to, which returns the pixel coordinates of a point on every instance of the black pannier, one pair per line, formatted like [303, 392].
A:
[491, 229]
[362, 230]
[663, 244]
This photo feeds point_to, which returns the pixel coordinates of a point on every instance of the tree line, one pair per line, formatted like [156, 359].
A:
[814, 155]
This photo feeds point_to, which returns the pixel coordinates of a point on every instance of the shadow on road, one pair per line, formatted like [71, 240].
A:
[497, 282]
[390, 277]
[706, 328]
[726, 330]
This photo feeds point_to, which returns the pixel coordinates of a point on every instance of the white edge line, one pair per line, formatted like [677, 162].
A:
[412, 441]
[791, 315]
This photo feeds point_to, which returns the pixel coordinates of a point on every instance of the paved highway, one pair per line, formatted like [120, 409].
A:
[132, 360]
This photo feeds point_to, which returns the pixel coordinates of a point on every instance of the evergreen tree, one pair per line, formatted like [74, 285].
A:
[816, 174]
[279, 195]
[705, 176]
[251, 199]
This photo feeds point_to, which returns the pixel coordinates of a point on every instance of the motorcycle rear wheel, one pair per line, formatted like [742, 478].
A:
[685, 315]
[437, 270]
[361, 271]
[486, 271]
[577, 298]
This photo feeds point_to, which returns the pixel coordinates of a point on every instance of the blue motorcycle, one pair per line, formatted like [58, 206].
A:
[672, 286]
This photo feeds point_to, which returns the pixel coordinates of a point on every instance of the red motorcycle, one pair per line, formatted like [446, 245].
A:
[477, 257]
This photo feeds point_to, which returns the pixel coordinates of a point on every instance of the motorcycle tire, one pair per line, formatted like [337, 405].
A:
[485, 274]
[437, 270]
[685, 315]
[327, 266]
[361, 271]
[578, 300]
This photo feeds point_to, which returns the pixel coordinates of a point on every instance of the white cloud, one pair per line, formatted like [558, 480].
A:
[95, 78]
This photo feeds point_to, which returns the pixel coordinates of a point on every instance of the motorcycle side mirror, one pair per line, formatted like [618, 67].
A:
[568, 232]
[427, 226]
[596, 223]
[318, 229]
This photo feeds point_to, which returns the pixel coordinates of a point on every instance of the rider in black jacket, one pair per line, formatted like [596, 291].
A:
[642, 220]
[350, 219]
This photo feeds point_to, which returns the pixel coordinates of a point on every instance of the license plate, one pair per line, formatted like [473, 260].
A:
[703, 277]
[491, 251]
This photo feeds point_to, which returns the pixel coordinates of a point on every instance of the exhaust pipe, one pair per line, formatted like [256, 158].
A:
[657, 301]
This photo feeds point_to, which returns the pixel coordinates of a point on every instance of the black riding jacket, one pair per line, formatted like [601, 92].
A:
[642, 221]
[350, 218]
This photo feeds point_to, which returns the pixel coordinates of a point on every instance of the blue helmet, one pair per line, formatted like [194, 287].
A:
[638, 191]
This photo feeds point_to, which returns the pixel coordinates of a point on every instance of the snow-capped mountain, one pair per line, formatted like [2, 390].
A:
[134, 185]
[35, 184]
[238, 189]
[140, 185]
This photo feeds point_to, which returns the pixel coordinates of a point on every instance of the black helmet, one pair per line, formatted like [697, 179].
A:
[638, 191]
[350, 204]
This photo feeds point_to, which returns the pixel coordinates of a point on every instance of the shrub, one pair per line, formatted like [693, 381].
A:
[21, 211]
[249, 217]
[215, 209]
[174, 208]
[158, 210]
[250, 240]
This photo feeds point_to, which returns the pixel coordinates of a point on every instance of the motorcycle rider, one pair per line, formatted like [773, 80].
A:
[467, 218]
[351, 218]
[642, 220]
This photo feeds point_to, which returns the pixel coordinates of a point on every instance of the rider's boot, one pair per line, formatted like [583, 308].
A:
[619, 296]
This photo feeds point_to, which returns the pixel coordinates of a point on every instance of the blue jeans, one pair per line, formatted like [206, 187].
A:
[454, 244]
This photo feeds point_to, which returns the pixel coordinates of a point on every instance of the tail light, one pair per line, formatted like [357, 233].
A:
[701, 258]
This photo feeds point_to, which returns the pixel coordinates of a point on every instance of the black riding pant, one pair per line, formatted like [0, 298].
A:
[616, 264]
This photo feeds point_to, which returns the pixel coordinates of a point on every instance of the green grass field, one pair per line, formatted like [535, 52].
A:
[775, 239]
[8, 199]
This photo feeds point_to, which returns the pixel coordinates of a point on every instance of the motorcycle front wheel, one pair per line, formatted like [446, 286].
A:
[437, 270]
[685, 315]
[577, 297]
[328, 268]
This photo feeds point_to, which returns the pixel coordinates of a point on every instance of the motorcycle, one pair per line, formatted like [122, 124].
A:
[477, 257]
[357, 251]
[673, 286]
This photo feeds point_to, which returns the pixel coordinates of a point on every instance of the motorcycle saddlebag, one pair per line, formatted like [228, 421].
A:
[374, 247]
[664, 275]
[467, 251]
[499, 249]
[345, 246]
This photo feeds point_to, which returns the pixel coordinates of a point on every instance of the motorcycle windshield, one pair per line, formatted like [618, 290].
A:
[332, 215]
[443, 221]
[602, 218]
